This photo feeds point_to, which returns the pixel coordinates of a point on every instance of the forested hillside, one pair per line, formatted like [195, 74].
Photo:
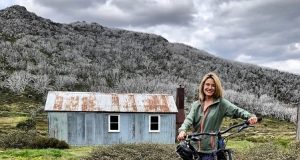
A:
[38, 55]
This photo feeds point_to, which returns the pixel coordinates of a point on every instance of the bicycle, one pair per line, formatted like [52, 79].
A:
[187, 152]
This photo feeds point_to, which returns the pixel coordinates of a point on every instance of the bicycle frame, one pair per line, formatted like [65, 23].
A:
[222, 153]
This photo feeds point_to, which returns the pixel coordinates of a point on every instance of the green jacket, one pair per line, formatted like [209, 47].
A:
[211, 122]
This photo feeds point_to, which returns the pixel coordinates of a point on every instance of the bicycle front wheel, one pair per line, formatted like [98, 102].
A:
[225, 154]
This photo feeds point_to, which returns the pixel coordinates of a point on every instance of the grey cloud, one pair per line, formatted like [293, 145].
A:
[148, 12]
[68, 5]
[261, 18]
[138, 12]
[262, 29]
[260, 49]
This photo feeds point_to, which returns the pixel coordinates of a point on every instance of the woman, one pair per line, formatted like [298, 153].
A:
[207, 113]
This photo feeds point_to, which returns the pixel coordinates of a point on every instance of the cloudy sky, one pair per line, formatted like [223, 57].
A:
[262, 32]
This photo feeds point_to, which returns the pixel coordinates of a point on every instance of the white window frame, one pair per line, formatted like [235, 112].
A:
[150, 123]
[109, 122]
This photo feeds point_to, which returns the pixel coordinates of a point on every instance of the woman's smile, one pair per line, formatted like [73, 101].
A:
[209, 87]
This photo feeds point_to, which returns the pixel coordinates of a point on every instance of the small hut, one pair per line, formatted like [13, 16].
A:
[90, 118]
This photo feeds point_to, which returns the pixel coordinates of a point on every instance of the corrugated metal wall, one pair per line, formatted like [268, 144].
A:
[91, 128]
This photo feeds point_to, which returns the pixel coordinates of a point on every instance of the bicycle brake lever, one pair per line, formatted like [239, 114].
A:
[195, 138]
[243, 127]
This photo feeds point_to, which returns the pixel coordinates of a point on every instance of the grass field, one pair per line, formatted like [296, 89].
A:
[281, 134]
[45, 154]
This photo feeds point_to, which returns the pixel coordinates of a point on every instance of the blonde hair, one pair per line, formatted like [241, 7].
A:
[218, 91]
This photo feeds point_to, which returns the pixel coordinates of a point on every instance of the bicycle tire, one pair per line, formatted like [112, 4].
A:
[228, 155]
[225, 154]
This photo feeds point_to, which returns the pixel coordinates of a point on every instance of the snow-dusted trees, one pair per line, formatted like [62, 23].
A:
[264, 105]
[17, 81]
[40, 84]
[38, 55]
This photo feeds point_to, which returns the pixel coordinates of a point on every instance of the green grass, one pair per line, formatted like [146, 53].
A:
[18, 103]
[45, 154]
[8, 124]
[11, 121]
[268, 129]
[240, 145]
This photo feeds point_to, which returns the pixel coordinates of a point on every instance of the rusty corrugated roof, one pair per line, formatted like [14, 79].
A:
[104, 102]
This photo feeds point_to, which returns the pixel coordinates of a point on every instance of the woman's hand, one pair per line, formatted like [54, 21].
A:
[181, 136]
[252, 120]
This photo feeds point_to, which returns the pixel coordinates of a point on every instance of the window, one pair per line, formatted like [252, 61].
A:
[114, 123]
[154, 123]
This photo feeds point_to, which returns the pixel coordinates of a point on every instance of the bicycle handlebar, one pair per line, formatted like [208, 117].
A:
[242, 126]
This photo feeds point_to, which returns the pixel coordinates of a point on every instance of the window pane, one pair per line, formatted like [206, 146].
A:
[154, 119]
[114, 118]
[114, 126]
[154, 127]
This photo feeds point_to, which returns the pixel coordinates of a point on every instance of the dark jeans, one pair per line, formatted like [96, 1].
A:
[207, 156]
[210, 156]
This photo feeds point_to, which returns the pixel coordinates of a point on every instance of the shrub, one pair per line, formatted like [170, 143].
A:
[51, 142]
[45, 142]
[17, 139]
[22, 139]
[4, 107]
[26, 125]
[62, 145]
[39, 142]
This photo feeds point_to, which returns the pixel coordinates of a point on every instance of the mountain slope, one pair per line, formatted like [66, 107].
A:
[38, 55]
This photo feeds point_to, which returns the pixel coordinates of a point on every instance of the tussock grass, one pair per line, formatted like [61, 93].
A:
[271, 151]
[11, 121]
[251, 144]
[243, 150]
[134, 152]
